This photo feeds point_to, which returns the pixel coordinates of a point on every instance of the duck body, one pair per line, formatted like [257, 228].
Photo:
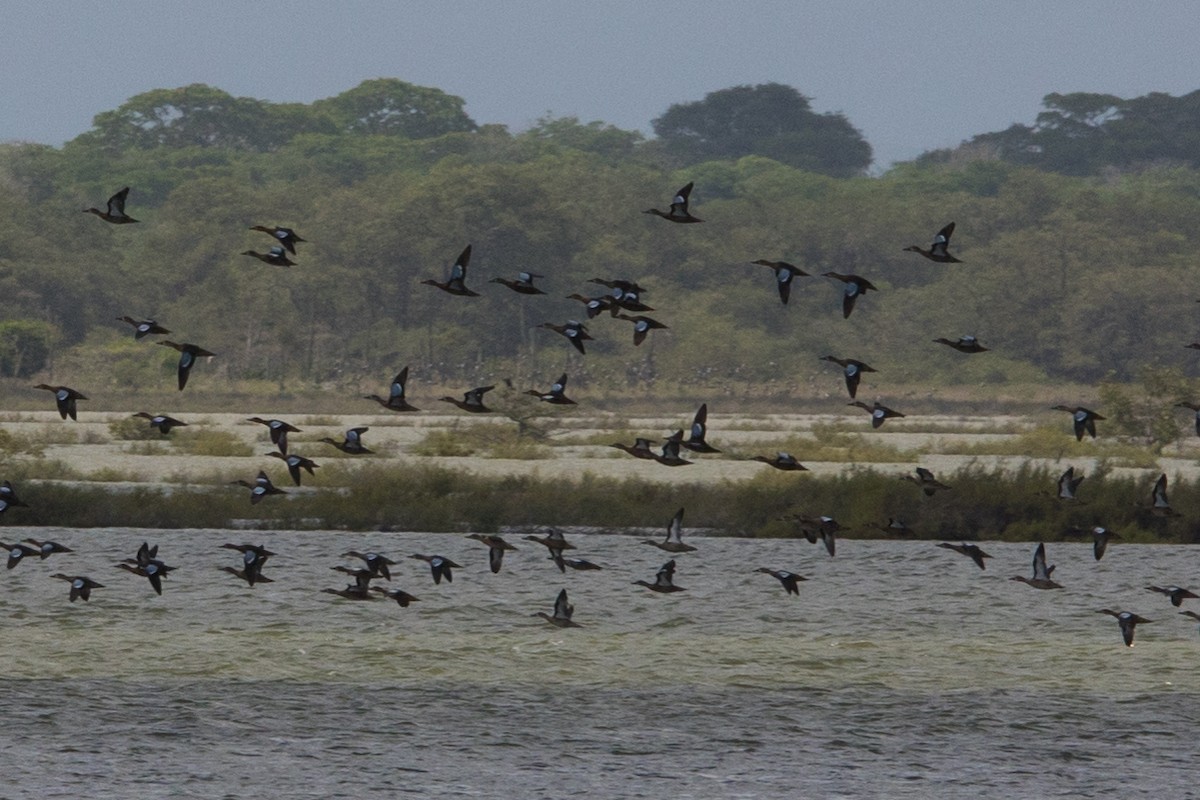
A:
[1068, 484]
[556, 396]
[855, 286]
[575, 332]
[971, 551]
[65, 399]
[456, 284]
[673, 543]
[669, 457]
[352, 442]
[9, 499]
[278, 430]
[696, 435]
[642, 326]
[496, 549]
[1127, 621]
[926, 481]
[679, 208]
[852, 371]
[262, 487]
[563, 611]
[1041, 573]
[439, 566]
[47, 548]
[963, 344]
[295, 464]
[395, 400]
[879, 413]
[785, 462]
[789, 580]
[188, 353]
[641, 448]
[472, 401]
[1174, 593]
[162, 422]
[143, 327]
[276, 257]
[115, 212]
[664, 580]
[17, 552]
[785, 273]
[81, 586]
[1083, 419]
[522, 285]
[938, 251]
[284, 236]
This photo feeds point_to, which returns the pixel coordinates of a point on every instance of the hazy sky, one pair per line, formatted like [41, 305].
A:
[911, 76]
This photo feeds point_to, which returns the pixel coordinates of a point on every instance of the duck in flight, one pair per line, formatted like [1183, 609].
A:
[595, 305]
[879, 413]
[696, 441]
[1041, 573]
[188, 353]
[143, 327]
[642, 326]
[855, 286]
[963, 344]
[254, 556]
[115, 212]
[563, 611]
[664, 580]
[785, 462]
[278, 430]
[81, 586]
[1084, 420]
[926, 481]
[575, 332]
[1101, 536]
[395, 400]
[276, 257]
[673, 543]
[496, 548]
[822, 529]
[788, 579]
[1127, 621]
[472, 401]
[522, 285]
[554, 541]
[47, 548]
[679, 208]
[161, 421]
[17, 552]
[555, 396]
[670, 452]
[401, 597]
[64, 398]
[641, 448]
[971, 551]
[9, 499]
[852, 370]
[261, 487]
[1068, 484]
[1176, 594]
[440, 566]
[284, 236]
[580, 564]
[377, 563]
[938, 250]
[147, 565]
[785, 273]
[458, 274]
[295, 463]
[352, 443]
[1159, 505]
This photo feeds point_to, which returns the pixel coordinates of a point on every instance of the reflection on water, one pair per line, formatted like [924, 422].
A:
[900, 670]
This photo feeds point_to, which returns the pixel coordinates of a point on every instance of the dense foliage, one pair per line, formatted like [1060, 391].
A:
[1064, 278]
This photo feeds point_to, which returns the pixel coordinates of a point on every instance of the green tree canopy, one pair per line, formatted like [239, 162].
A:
[394, 107]
[771, 120]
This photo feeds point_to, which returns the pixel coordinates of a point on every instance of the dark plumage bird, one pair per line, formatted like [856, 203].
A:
[1176, 594]
[496, 549]
[574, 331]
[1159, 505]
[1127, 621]
[1195, 407]
[47, 548]
[1068, 484]
[679, 208]
[971, 551]
[963, 344]
[522, 285]
[143, 327]
[254, 556]
[296, 463]
[401, 597]
[595, 305]
[440, 566]
[622, 294]
[161, 421]
[664, 580]
[926, 481]
[458, 275]
[669, 457]
[895, 527]
[782, 461]
[352, 442]
[579, 564]
[699, 430]
[9, 499]
[395, 400]
[188, 353]
[278, 430]
[81, 586]
[855, 286]
[284, 236]
[352, 592]
[641, 448]
[788, 579]
[18, 551]
[673, 542]
[261, 487]
[642, 326]
[472, 401]
[852, 370]
[377, 563]
[554, 541]
[563, 612]
[115, 212]
[1101, 536]
[938, 250]
[1041, 573]
[1084, 420]
[879, 413]
[276, 257]
[147, 565]
[555, 396]
[785, 273]
[822, 529]
[246, 575]
[65, 398]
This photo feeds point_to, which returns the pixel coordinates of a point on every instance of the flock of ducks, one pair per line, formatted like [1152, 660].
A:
[622, 296]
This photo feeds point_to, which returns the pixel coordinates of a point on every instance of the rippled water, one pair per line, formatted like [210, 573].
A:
[901, 670]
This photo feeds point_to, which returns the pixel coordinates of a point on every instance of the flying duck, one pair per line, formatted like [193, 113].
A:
[188, 353]
[401, 597]
[971, 551]
[924, 479]
[472, 401]
[879, 413]
[641, 448]
[595, 305]
[782, 461]
[276, 257]
[896, 527]
[254, 556]
[1159, 505]
[1127, 620]
[161, 421]
[622, 294]
[17, 551]
[673, 543]
[855, 286]
[679, 208]
[285, 236]
[246, 575]
[938, 250]
[296, 463]
[65, 398]
[963, 344]
[642, 326]
[147, 565]
[664, 580]
[576, 332]
[458, 274]
[47, 548]
[574, 563]
[395, 400]
[81, 586]
[1100, 538]
[670, 451]
[1041, 573]
[1084, 420]
[852, 370]
[1175, 593]
[9, 499]
[143, 327]
[1068, 484]
[563, 611]
[822, 529]
[555, 396]
[261, 487]
[377, 564]
[440, 566]
[352, 442]
[554, 541]
[352, 591]
[522, 285]
[278, 430]
[788, 579]
[496, 547]
[695, 441]
[116, 209]
[785, 273]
